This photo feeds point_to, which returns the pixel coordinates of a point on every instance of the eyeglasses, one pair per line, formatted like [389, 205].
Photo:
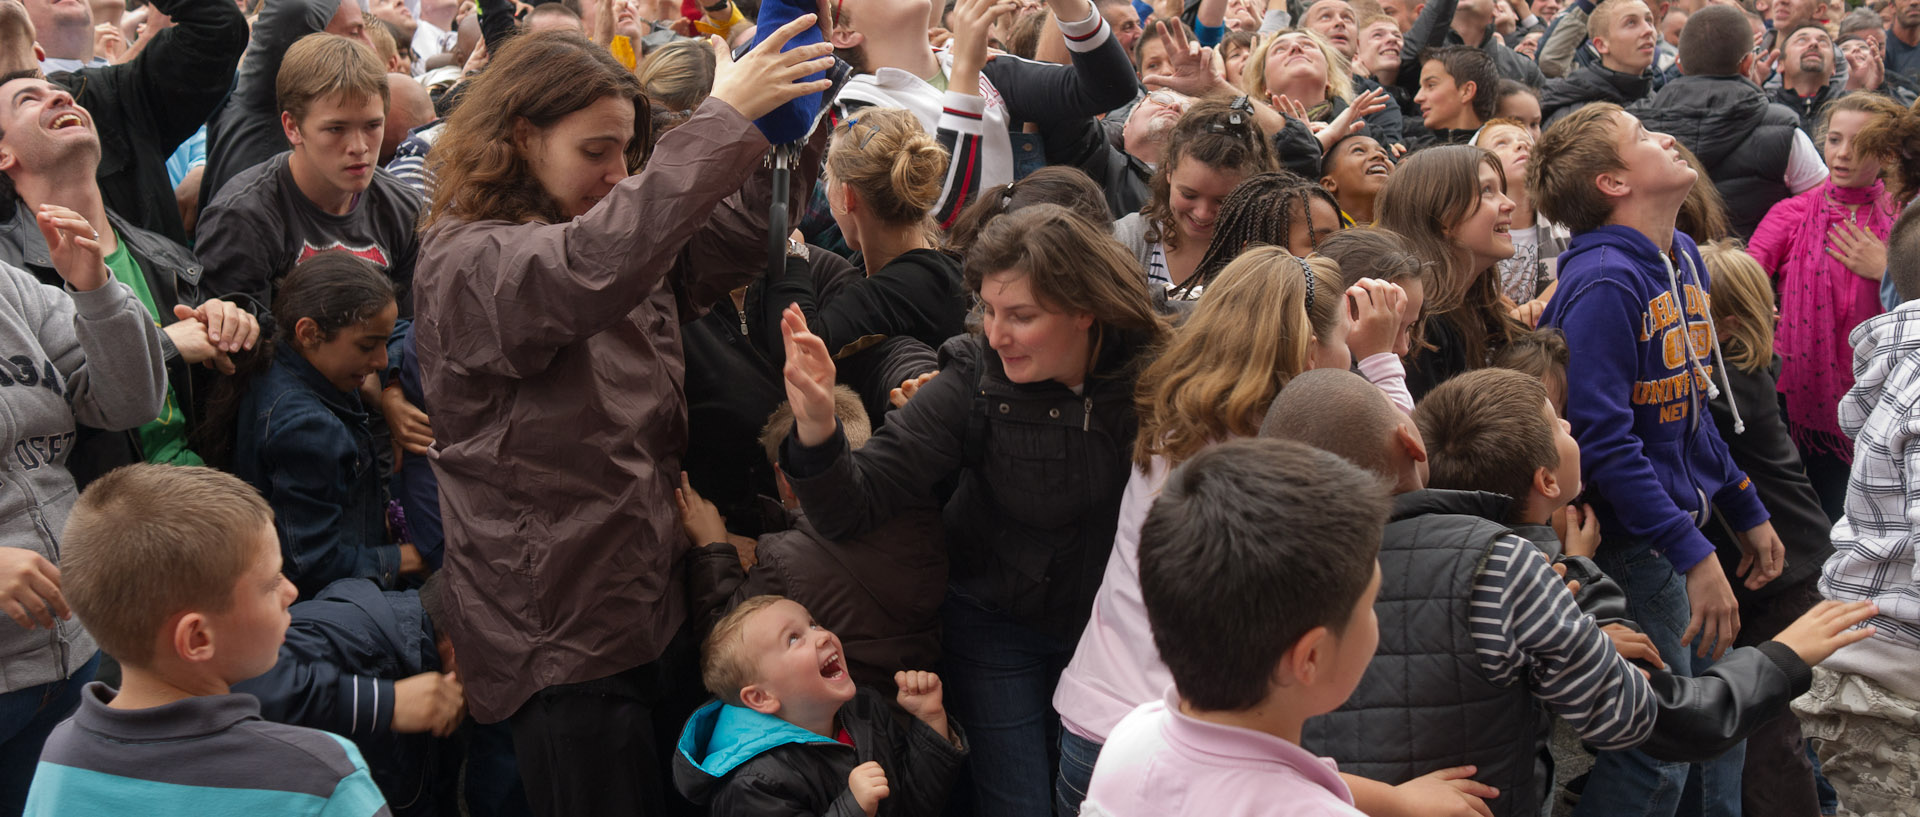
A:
[1170, 99]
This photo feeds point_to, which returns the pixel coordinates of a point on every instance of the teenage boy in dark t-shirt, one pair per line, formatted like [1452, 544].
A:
[327, 193]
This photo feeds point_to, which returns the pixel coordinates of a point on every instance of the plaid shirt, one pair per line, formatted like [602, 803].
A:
[1873, 544]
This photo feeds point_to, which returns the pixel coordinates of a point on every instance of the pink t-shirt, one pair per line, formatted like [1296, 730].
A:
[1162, 763]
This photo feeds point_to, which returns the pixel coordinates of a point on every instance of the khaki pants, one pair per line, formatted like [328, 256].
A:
[1868, 740]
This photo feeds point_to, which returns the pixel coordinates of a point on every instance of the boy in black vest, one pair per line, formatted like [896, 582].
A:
[1476, 630]
[1494, 430]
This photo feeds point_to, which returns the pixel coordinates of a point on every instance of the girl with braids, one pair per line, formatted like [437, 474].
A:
[1268, 317]
[1450, 204]
[1826, 251]
[1032, 421]
[883, 177]
[299, 430]
[1215, 146]
[1277, 209]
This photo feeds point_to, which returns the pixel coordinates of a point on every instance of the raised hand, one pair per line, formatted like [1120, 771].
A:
[869, 786]
[1376, 308]
[1815, 635]
[1191, 70]
[1352, 120]
[1762, 67]
[767, 77]
[75, 247]
[971, 24]
[809, 374]
[921, 696]
[30, 589]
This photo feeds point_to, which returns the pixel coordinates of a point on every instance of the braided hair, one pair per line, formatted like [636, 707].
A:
[1262, 210]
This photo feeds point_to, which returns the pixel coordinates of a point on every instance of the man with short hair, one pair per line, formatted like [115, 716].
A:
[1753, 149]
[1806, 74]
[145, 107]
[326, 193]
[1625, 38]
[246, 131]
[49, 152]
[1903, 39]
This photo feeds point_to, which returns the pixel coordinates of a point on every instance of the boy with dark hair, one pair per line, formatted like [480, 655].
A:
[1258, 574]
[1484, 684]
[1458, 86]
[791, 733]
[1860, 711]
[1632, 303]
[327, 193]
[177, 573]
[881, 591]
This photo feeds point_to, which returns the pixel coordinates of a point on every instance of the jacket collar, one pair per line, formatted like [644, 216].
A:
[720, 737]
[289, 359]
[165, 264]
[1484, 504]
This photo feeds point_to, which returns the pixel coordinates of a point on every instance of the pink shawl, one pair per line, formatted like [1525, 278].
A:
[1820, 302]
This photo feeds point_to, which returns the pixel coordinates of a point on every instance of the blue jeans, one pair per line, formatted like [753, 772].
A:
[999, 678]
[1629, 783]
[26, 717]
[1077, 756]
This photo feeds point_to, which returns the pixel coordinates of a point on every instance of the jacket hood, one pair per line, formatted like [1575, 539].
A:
[1710, 115]
[720, 737]
[397, 614]
[1646, 258]
[1880, 345]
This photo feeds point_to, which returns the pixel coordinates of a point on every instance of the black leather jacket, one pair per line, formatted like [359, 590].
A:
[1703, 716]
[173, 276]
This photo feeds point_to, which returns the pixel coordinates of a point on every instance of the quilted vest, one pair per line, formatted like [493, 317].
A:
[1425, 704]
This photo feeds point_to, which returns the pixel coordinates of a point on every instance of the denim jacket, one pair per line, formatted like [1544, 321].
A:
[305, 446]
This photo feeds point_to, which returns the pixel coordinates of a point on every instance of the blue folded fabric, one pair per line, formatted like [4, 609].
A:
[790, 122]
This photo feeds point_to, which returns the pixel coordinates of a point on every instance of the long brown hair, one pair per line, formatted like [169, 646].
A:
[1428, 194]
[537, 79]
[1070, 263]
[1215, 134]
[1893, 137]
[1249, 335]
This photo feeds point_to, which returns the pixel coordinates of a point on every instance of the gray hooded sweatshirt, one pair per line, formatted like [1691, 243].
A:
[65, 357]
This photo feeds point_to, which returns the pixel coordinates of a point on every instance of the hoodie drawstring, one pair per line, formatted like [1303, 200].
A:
[1713, 335]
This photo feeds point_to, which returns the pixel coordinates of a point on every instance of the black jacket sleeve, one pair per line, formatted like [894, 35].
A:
[1704, 716]
[496, 23]
[846, 493]
[1429, 31]
[177, 80]
[905, 298]
[319, 695]
[1700, 717]
[1768, 456]
[746, 792]
[1056, 96]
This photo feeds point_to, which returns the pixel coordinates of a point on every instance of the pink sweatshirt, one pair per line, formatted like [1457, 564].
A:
[1163, 763]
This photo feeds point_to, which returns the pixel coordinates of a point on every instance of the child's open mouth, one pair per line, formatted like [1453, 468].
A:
[833, 669]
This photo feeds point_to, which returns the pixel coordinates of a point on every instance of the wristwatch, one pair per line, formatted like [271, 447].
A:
[796, 249]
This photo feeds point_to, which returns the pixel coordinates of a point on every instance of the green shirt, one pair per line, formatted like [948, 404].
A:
[164, 440]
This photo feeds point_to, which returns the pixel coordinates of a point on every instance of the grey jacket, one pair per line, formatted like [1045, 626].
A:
[69, 357]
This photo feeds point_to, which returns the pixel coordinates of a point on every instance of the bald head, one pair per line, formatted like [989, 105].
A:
[1338, 411]
[409, 108]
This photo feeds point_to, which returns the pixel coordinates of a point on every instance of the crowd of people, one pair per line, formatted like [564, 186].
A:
[999, 407]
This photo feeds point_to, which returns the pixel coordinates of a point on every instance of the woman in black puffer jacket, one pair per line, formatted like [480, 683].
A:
[1032, 422]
